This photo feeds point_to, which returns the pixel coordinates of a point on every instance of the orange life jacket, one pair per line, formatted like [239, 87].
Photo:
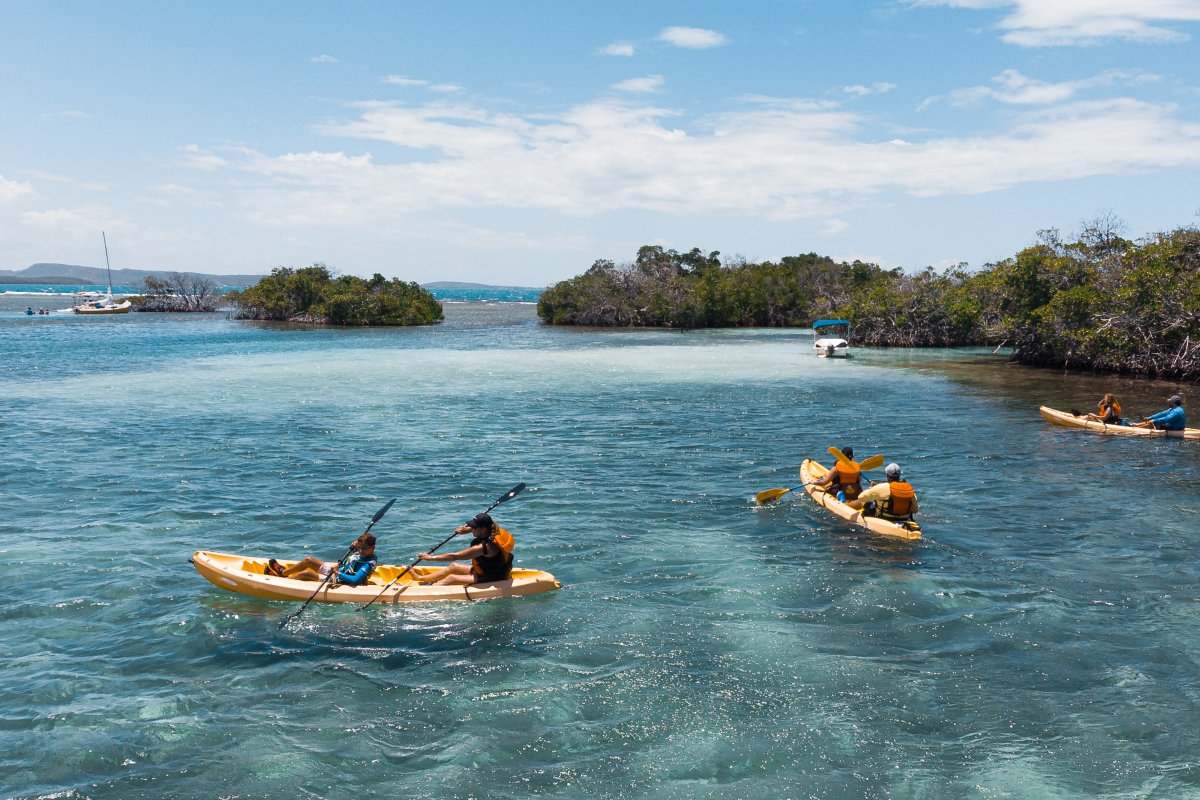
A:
[1110, 413]
[498, 565]
[899, 503]
[844, 475]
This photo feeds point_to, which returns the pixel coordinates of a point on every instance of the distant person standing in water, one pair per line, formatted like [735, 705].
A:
[1170, 419]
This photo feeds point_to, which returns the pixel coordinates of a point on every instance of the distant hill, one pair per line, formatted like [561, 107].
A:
[76, 275]
[462, 285]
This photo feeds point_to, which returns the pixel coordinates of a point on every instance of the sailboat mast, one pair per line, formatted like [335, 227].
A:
[106, 264]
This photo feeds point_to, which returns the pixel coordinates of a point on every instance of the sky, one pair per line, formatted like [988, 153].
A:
[518, 142]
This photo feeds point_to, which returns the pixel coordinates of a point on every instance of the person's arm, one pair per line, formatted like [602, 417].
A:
[1160, 416]
[461, 555]
[358, 577]
[879, 491]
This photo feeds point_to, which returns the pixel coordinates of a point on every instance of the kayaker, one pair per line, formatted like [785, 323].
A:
[893, 499]
[843, 479]
[355, 570]
[490, 553]
[1108, 411]
[1170, 419]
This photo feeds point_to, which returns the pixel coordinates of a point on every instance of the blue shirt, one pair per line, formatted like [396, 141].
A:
[1172, 419]
[357, 569]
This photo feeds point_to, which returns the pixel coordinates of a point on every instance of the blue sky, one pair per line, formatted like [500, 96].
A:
[517, 142]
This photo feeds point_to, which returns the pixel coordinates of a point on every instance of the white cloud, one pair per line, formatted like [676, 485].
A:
[445, 88]
[323, 59]
[170, 194]
[86, 218]
[859, 90]
[197, 158]
[11, 190]
[71, 114]
[692, 38]
[778, 158]
[1012, 87]
[834, 226]
[646, 85]
[1040, 23]
[400, 80]
[618, 49]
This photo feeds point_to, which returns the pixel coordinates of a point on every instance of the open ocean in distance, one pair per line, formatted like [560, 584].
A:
[1041, 642]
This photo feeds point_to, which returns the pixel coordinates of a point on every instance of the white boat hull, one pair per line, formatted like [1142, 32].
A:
[124, 307]
[832, 348]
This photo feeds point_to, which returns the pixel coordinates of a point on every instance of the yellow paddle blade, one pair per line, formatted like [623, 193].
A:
[874, 462]
[770, 496]
[840, 456]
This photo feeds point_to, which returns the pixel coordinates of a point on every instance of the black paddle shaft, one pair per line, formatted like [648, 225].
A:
[509, 495]
[378, 516]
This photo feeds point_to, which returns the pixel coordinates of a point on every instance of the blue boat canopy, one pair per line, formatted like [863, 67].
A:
[829, 323]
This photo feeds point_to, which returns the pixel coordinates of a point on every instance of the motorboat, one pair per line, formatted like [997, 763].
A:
[830, 338]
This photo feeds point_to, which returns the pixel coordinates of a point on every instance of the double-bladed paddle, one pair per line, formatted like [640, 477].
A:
[509, 495]
[378, 516]
[874, 462]
[771, 495]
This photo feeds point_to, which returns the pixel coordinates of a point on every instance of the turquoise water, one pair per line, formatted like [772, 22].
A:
[1041, 642]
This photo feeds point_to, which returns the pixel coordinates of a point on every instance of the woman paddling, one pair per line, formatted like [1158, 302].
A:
[1109, 411]
[490, 553]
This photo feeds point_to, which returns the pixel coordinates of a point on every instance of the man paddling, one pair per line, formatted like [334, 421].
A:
[894, 499]
[1170, 419]
[490, 553]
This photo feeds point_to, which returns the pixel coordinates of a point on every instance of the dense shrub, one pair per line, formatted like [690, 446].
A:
[314, 295]
[1102, 303]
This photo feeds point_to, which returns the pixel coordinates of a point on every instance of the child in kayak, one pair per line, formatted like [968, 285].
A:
[354, 571]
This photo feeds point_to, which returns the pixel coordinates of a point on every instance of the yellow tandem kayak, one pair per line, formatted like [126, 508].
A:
[1068, 420]
[246, 575]
[810, 471]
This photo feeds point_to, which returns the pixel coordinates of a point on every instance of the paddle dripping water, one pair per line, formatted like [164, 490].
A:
[1040, 641]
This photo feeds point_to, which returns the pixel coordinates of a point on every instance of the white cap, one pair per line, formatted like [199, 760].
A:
[892, 469]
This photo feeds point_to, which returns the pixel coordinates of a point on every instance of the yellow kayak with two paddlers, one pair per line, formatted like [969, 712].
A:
[811, 471]
[1069, 420]
[248, 575]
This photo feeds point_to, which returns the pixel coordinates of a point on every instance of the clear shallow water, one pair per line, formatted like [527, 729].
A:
[1039, 643]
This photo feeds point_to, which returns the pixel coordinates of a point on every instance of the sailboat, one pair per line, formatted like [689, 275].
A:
[105, 304]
